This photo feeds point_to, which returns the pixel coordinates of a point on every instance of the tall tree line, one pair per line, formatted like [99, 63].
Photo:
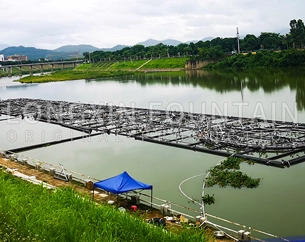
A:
[210, 49]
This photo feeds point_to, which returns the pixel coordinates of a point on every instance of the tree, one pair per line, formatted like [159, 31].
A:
[182, 48]
[86, 56]
[297, 31]
[269, 40]
[172, 51]
[193, 50]
[250, 43]
[213, 53]
[228, 174]
[229, 44]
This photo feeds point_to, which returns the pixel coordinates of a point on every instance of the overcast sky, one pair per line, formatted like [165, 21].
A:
[106, 23]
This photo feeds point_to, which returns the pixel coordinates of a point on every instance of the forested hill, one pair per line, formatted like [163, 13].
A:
[34, 54]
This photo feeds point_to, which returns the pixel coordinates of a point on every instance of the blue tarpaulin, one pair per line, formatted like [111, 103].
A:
[122, 183]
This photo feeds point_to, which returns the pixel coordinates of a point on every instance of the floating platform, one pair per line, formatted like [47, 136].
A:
[269, 142]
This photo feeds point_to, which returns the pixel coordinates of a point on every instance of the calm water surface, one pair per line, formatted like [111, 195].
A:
[277, 206]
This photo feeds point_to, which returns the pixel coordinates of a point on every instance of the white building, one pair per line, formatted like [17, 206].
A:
[1, 58]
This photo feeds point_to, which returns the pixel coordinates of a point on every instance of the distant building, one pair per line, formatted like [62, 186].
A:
[1, 58]
[17, 58]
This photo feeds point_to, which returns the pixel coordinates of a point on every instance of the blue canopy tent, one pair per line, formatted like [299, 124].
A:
[122, 183]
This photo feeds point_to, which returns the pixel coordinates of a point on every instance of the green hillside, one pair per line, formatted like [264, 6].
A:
[110, 69]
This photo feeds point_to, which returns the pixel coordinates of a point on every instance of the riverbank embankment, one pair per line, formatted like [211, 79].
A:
[109, 69]
[99, 197]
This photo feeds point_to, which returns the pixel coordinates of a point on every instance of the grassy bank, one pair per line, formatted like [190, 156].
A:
[32, 213]
[3, 74]
[108, 69]
[72, 75]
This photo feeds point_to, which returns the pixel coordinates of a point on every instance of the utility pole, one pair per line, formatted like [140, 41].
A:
[237, 35]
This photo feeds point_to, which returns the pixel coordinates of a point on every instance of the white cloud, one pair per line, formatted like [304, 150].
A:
[51, 24]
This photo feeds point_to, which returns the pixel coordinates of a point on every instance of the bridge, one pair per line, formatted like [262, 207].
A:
[273, 143]
[41, 66]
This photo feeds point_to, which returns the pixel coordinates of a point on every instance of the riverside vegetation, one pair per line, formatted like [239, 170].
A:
[32, 213]
[109, 69]
[262, 59]
[259, 59]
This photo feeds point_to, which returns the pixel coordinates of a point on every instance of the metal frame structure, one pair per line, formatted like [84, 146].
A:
[274, 143]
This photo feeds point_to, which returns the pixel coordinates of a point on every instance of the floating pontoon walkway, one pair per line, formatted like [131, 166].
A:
[274, 143]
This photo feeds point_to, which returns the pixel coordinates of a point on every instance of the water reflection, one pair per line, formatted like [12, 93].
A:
[21, 85]
[268, 80]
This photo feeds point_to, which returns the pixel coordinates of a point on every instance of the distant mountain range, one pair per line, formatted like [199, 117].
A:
[115, 48]
[76, 48]
[3, 46]
[71, 51]
[34, 54]
[153, 42]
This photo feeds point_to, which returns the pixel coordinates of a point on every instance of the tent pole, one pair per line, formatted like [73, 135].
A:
[93, 194]
[151, 193]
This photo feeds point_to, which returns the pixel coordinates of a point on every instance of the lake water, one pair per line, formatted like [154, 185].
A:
[276, 206]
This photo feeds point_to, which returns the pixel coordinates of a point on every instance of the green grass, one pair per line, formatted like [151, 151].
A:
[127, 65]
[72, 75]
[32, 213]
[3, 74]
[107, 69]
[166, 63]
